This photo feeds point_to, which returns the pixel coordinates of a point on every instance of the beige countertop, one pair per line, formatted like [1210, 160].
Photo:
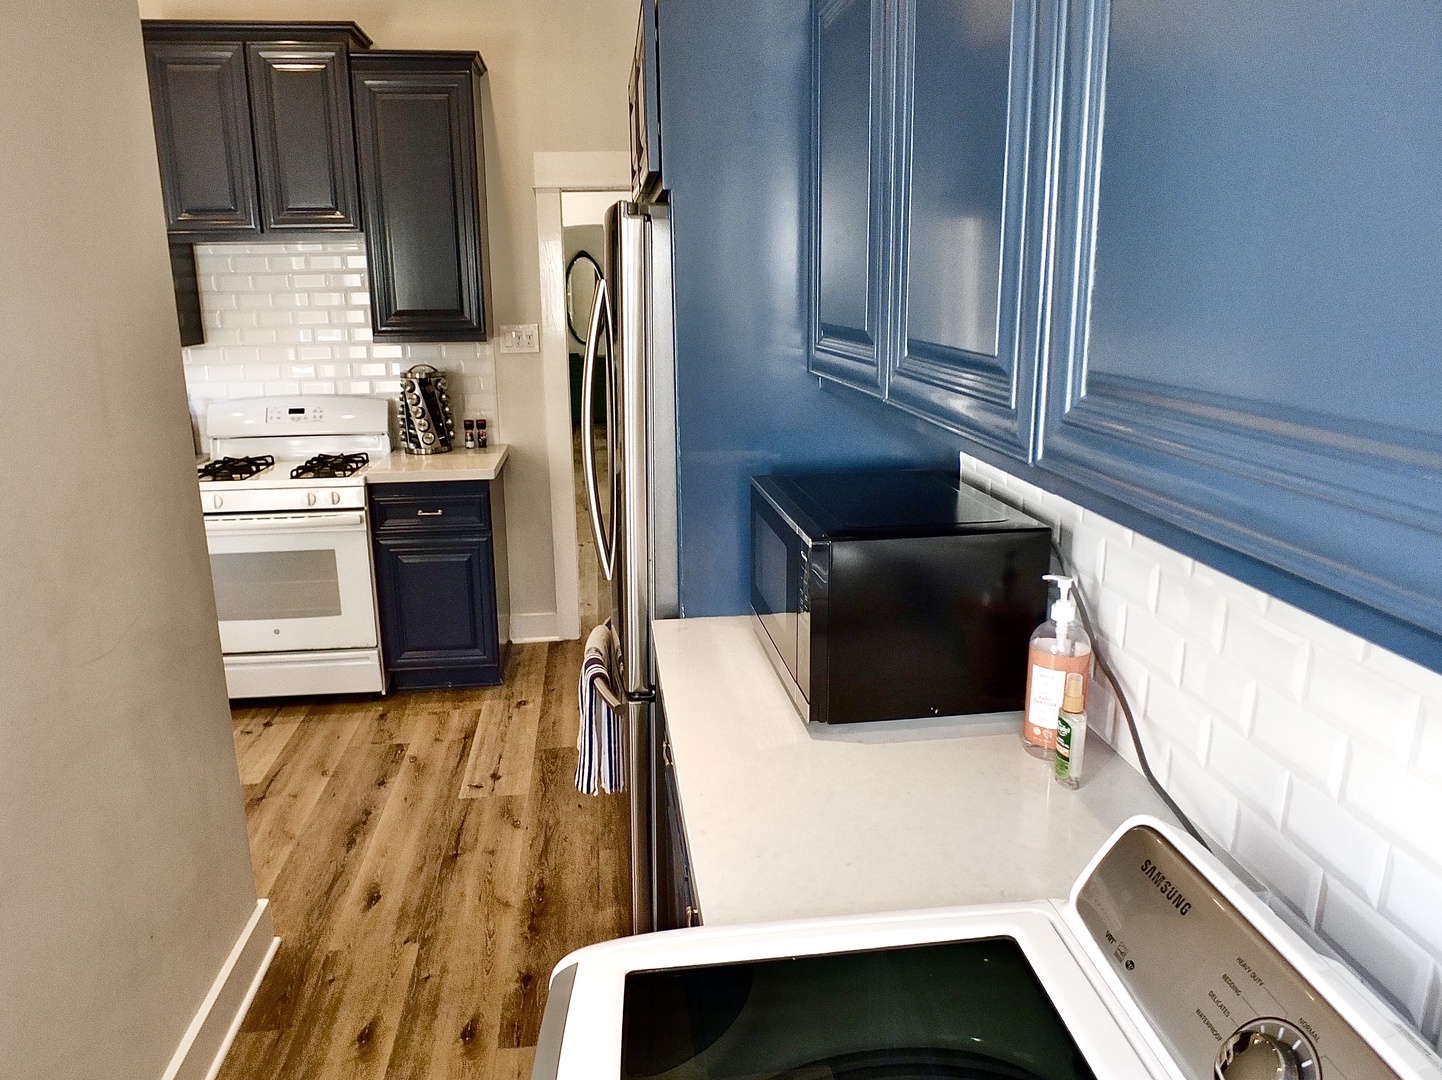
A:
[462, 464]
[785, 819]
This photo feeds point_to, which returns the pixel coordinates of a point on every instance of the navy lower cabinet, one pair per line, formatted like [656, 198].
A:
[1248, 295]
[930, 169]
[675, 894]
[441, 582]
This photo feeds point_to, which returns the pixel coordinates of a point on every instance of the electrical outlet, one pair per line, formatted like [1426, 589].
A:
[524, 338]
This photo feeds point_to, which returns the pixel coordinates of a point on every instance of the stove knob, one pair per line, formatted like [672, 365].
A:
[335, 498]
[407, 385]
[423, 424]
[428, 438]
[1267, 1050]
[217, 501]
[441, 385]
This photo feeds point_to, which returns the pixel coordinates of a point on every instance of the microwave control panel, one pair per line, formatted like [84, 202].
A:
[1221, 997]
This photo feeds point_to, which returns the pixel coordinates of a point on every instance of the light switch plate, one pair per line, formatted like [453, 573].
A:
[524, 338]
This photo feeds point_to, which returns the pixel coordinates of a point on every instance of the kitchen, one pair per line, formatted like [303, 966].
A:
[1335, 728]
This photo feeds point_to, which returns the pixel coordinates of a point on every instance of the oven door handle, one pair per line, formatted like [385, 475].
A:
[233, 524]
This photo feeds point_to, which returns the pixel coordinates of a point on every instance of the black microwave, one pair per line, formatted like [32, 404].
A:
[889, 595]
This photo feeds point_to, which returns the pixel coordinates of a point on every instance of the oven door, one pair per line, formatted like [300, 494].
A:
[292, 582]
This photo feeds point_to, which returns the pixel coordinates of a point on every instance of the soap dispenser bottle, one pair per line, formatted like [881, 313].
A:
[1059, 647]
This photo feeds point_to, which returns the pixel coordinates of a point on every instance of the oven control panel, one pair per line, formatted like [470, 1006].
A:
[1220, 996]
[294, 414]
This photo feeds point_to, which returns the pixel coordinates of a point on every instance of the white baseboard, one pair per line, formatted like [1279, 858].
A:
[530, 626]
[202, 1051]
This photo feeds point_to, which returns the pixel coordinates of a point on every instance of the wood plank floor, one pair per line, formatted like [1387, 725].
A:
[429, 861]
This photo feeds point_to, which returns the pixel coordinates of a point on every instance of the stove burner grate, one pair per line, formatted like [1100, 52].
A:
[324, 466]
[235, 468]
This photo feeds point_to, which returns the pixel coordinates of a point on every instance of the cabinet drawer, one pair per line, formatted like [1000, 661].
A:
[431, 506]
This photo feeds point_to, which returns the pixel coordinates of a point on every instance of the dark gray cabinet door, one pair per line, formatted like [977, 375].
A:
[304, 137]
[436, 586]
[1249, 287]
[972, 116]
[675, 895]
[438, 610]
[202, 132]
[423, 191]
[849, 193]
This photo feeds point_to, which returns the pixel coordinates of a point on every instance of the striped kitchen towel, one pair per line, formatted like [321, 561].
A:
[600, 743]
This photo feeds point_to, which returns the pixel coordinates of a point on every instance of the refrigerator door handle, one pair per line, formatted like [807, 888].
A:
[605, 536]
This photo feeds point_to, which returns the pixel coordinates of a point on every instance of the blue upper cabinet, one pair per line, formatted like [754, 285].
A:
[850, 189]
[973, 111]
[931, 156]
[1248, 294]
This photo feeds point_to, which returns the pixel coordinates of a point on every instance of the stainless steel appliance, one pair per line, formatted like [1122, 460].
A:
[1161, 965]
[426, 424]
[894, 594]
[635, 526]
[285, 520]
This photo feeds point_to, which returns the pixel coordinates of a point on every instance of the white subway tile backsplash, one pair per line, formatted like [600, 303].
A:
[1293, 734]
[1336, 837]
[1394, 961]
[1372, 708]
[1210, 805]
[1406, 804]
[1313, 756]
[1414, 898]
[1259, 778]
[1278, 863]
[293, 318]
[1429, 742]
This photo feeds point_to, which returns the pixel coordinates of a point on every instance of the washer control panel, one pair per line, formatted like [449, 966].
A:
[1220, 996]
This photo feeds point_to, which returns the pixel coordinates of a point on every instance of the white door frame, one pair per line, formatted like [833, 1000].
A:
[597, 170]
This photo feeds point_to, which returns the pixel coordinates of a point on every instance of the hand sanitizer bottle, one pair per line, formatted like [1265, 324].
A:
[1059, 647]
[1071, 732]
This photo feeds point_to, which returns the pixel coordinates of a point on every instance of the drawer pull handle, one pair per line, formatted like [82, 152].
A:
[429, 513]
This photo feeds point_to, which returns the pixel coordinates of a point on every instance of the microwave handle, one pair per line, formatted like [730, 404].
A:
[605, 536]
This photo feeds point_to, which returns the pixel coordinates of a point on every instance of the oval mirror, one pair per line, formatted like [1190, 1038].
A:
[582, 274]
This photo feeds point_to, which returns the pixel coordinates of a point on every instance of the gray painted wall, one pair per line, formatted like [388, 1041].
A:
[126, 872]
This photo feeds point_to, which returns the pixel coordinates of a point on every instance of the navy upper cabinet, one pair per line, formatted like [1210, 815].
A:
[931, 140]
[970, 155]
[849, 185]
[1249, 283]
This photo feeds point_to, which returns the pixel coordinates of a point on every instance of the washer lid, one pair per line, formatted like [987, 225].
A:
[977, 993]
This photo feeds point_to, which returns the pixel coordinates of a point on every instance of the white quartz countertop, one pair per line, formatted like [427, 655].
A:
[460, 464]
[787, 820]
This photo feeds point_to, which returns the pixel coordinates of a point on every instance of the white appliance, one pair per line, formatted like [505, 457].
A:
[636, 527]
[1161, 964]
[290, 554]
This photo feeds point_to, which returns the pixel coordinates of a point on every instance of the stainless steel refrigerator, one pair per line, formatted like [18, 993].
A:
[635, 525]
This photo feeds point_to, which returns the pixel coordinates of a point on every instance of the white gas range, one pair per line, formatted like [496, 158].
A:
[285, 519]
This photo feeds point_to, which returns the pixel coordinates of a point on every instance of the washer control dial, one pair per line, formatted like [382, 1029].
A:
[1267, 1049]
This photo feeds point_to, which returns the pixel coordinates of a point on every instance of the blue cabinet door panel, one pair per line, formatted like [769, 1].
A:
[850, 184]
[971, 156]
[1249, 283]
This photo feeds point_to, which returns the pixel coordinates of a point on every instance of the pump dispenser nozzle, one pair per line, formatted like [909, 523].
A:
[1063, 608]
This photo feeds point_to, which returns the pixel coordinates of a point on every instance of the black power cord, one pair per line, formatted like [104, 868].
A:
[1106, 670]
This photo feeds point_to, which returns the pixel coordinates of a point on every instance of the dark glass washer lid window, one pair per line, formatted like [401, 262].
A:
[971, 1010]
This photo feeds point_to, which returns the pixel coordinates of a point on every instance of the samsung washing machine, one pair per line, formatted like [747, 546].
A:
[1159, 965]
